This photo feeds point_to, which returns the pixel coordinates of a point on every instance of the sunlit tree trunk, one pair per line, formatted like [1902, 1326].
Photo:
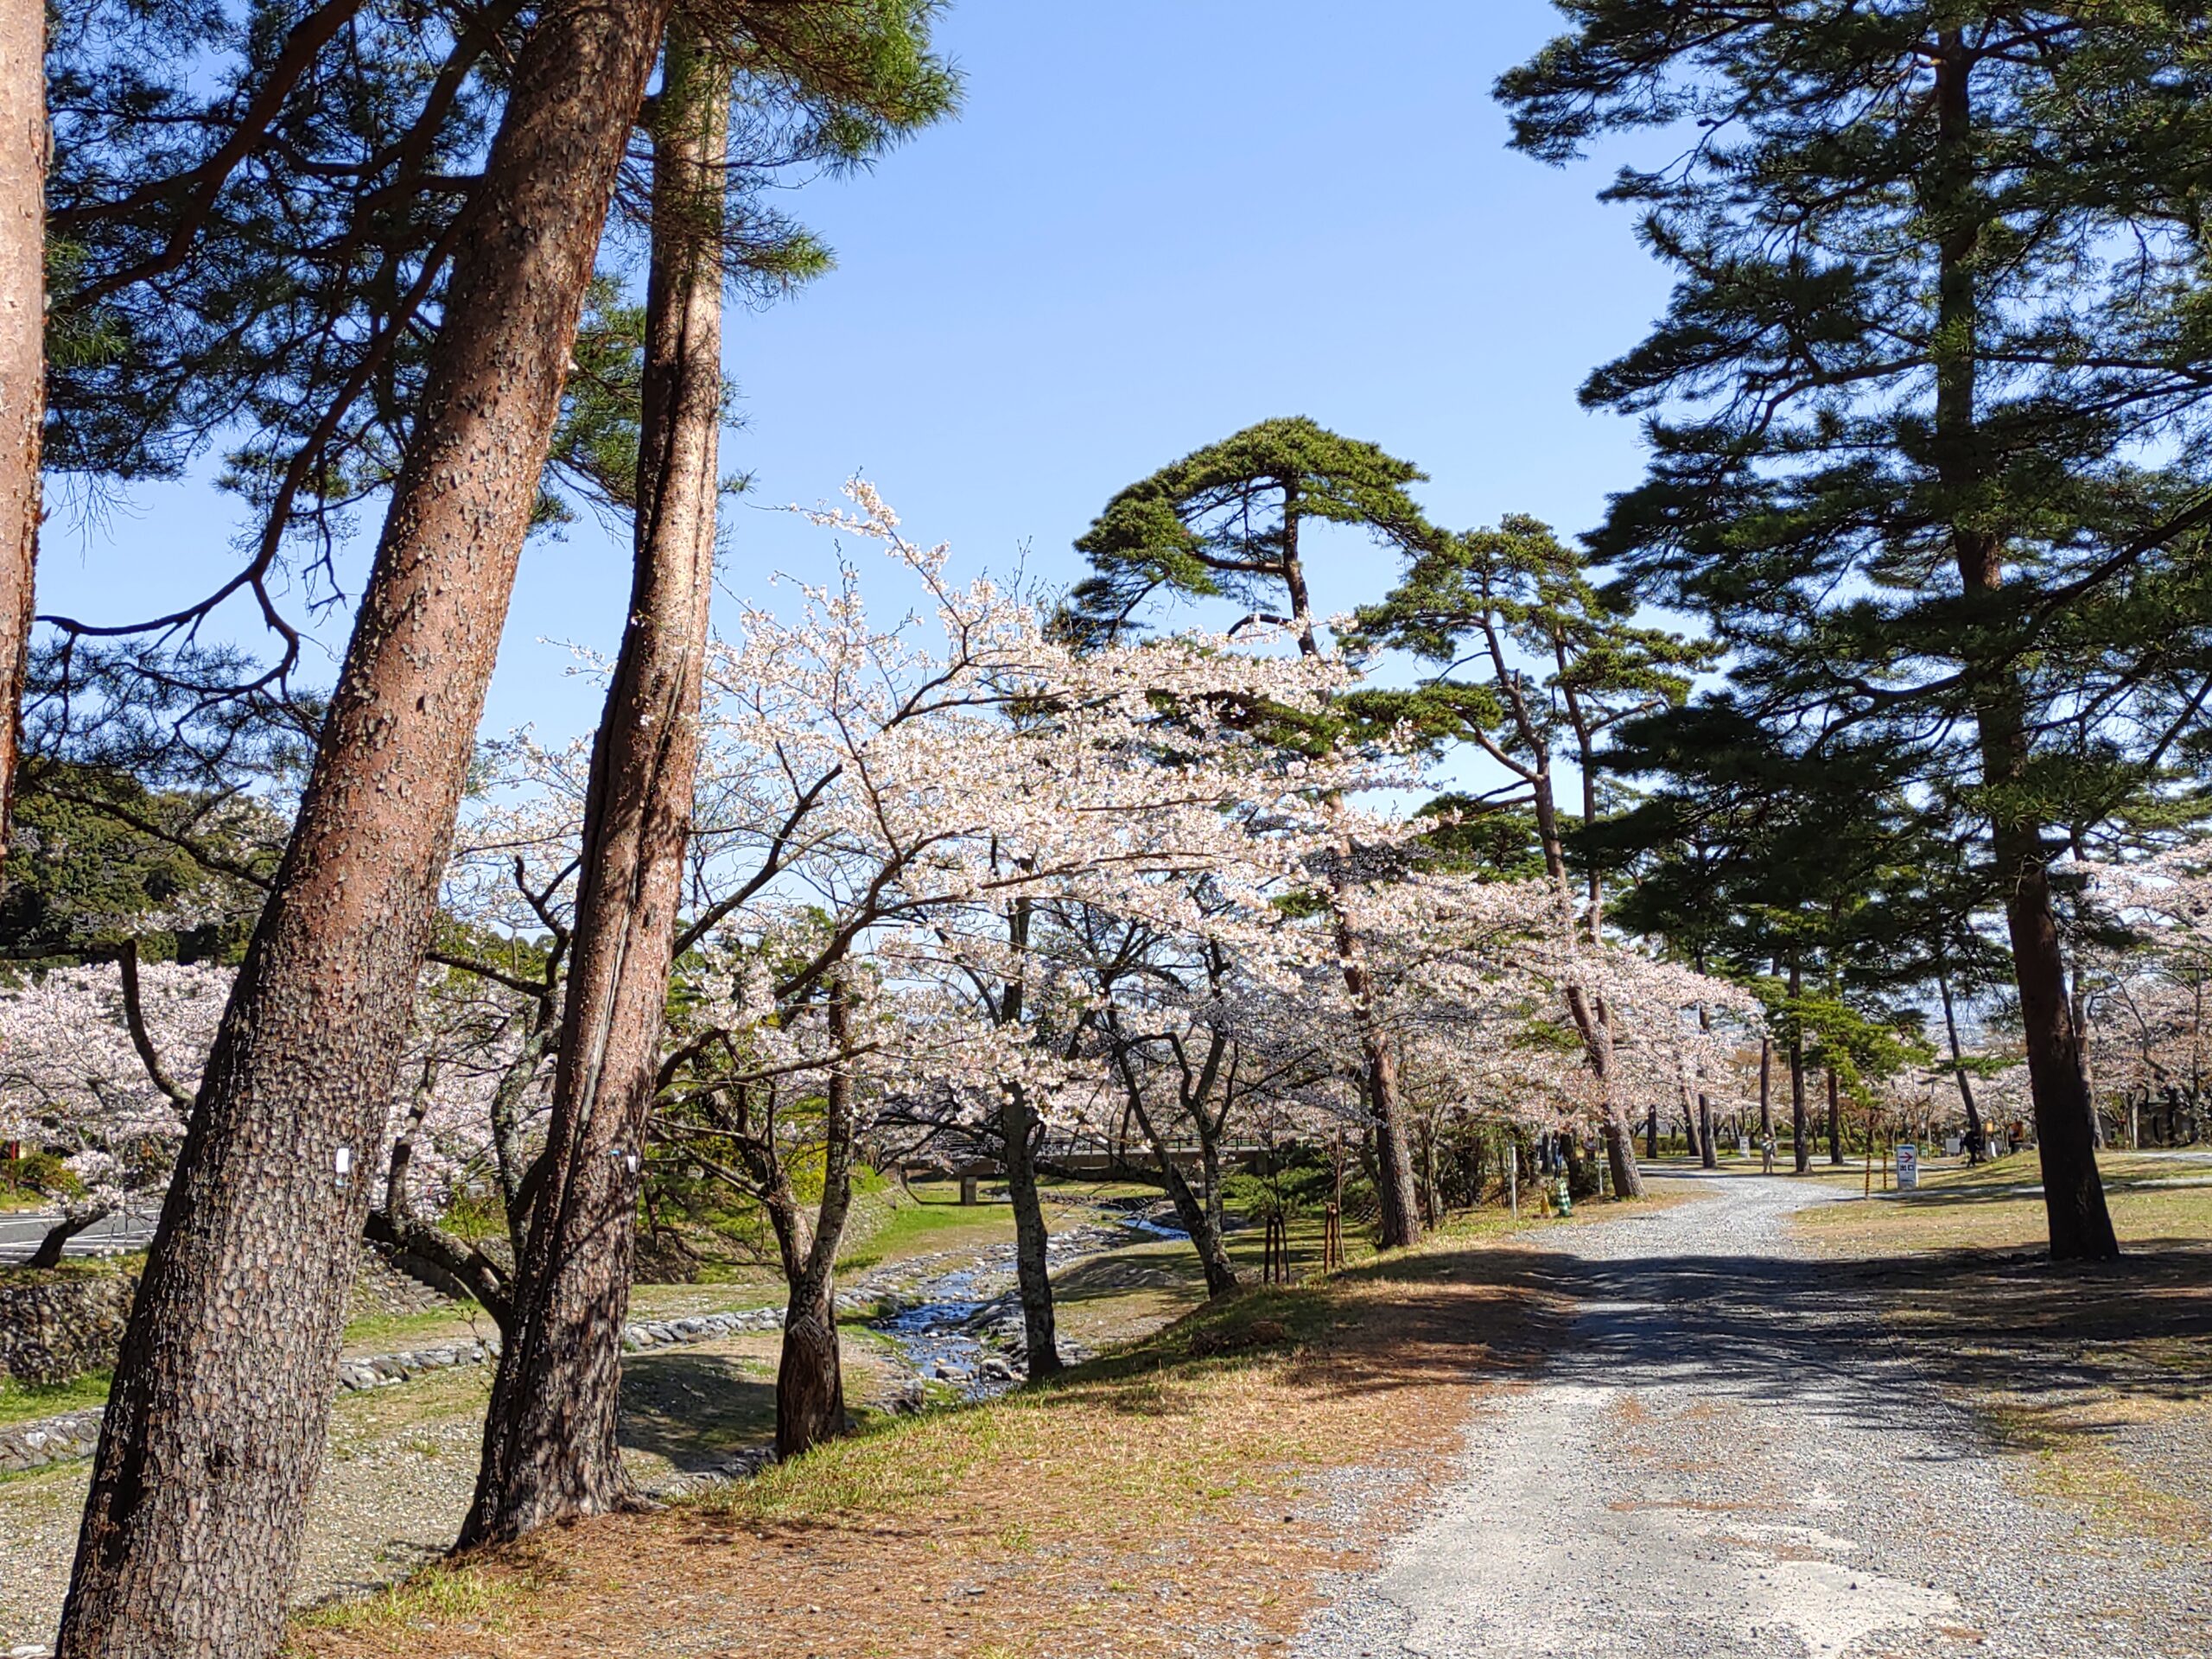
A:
[23, 356]
[215, 1427]
[550, 1446]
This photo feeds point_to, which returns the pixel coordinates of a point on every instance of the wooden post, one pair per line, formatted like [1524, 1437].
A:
[968, 1194]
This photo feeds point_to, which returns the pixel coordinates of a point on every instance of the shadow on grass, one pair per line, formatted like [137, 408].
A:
[695, 1409]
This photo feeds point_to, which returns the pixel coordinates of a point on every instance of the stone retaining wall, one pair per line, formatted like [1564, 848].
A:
[61, 1324]
[50, 1439]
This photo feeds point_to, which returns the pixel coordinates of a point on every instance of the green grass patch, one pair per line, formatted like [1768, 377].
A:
[389, 1331]
[438, 1594]
[928, 1224]
[22, 1402]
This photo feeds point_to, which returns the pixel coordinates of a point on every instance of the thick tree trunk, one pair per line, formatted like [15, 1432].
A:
[23, 356]
[1691, 1144]
[1708, 1153]
[1620, 1154]
[1032, 1269]
[810, 1376]
[214, 1431]
[550, 1438]
[1399, 1222]
[1766, 1088]
[1835, 1120]
[2074, 1193]
[1651, 1132]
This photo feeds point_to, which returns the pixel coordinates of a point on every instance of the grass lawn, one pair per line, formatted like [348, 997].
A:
[21, 1401]
[1200, 1474]
[2155, 1200]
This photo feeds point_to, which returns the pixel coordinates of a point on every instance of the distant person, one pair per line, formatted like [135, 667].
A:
[1766, 1153]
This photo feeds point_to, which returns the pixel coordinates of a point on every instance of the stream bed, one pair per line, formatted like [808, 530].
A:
[962, 1330]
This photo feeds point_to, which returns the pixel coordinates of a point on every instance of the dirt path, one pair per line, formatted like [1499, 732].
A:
[1729, 1455]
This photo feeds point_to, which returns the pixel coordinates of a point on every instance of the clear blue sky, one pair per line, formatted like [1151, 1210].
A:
[1154, 223]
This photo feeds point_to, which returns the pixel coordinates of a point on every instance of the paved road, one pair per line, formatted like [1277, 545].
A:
[1727, 1457]
[21, 1230]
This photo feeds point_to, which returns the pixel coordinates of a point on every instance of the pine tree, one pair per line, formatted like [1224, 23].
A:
[216, 1423]
[863, 77]
[1225, 522]
[22, 357]
[1538, 662]
[1923, 402]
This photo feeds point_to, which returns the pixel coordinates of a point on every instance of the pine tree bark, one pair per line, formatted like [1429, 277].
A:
[2074, 1197]
[215, 1428]
[1766, 1089]
[1398, 1224]
[1835, 1119]
[549, 1441]
[22, 357]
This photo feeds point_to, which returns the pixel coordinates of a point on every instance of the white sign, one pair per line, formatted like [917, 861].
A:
[1908, 1166]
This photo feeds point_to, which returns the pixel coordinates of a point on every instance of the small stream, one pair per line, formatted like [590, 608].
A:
[962, 1330]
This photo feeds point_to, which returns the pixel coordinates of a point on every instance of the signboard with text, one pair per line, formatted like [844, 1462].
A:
[1908, 1166]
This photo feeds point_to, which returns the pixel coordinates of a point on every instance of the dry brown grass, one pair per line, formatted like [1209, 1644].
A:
[1162, 1501]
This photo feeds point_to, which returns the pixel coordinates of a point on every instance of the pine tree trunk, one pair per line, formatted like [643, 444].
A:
[1835, 1120]
[1399, 1222]
[549, 1440]
[214, 1431]
[1766, 1089]
[1032, 1270]
[23, 356]
[2073, 1195]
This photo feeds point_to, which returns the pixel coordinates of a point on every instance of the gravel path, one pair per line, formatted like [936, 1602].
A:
[1728, 1456]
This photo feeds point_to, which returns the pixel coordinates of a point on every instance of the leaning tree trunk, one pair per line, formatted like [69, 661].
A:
[549, 1434]
[2073, 1194]
[1977, 1140]
[1033, 1271]
[23, 355]
[50, 1245]
[215, 1427]
[1196, 1214]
